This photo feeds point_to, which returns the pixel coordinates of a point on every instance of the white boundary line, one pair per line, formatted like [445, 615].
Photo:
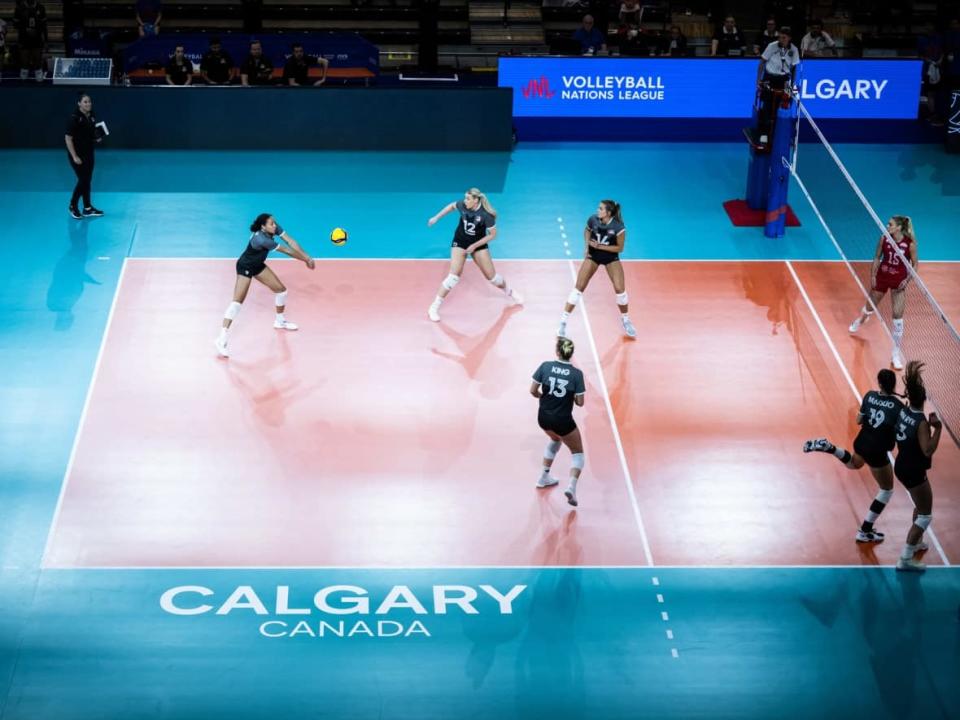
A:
[613, 421]
[419, 568]
[83, 417]
[846, 374]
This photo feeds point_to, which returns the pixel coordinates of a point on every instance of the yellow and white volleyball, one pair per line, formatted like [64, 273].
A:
[338, 236]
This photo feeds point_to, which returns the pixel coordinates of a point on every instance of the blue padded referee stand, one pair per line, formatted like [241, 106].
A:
[768, 176]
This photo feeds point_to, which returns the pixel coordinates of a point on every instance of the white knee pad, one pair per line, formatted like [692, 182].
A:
[233, 309]
[552, 447]
[280, 298]
[923, 521]
[450, 281]
[574, 297]
[622, 298]
[884, 496]
[578, 461]
[497, 280]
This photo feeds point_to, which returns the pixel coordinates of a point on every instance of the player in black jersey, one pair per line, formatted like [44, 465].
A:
[559, 386]
[477, 227]
[877, 419]
[917, 441]
[252, 264]
[604, 237]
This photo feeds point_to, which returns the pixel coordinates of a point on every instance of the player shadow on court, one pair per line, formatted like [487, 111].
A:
[891, 630]
[474, 350]
[269, 399]
[550, 670]
[777, 292]
[560, 545]
[944, 172]
[70, 275]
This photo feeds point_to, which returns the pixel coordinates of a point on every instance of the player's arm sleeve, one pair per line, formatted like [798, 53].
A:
[538, 374]
[579, 387]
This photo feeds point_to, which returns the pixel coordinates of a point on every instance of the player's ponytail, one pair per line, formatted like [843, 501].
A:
[564, 348]
[484, 202]
[913, 379]
[887, 380]
[257, 225]
[906, 226]
[613, 207]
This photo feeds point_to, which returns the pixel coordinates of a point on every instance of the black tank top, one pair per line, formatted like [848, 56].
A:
[909, 453]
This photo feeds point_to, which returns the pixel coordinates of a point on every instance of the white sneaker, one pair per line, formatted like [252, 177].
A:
[546, 481]
[911, 565]
[562, 332]
[285, 325]
[571, 496]
[628, 327]
[433, 312]
[221, 346]
[858, 323]
[897, 359]
[516, 297]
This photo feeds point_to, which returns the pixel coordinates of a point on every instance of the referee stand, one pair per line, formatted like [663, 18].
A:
[771, 138]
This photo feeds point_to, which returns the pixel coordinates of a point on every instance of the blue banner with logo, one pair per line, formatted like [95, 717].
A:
[703, 88]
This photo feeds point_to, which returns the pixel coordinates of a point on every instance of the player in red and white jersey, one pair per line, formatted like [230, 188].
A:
[889, 272]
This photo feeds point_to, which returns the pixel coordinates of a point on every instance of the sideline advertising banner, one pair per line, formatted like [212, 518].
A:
[703, 88]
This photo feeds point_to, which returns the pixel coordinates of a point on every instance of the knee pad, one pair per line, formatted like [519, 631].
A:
[884, 496]
[923, 521]
[622, 298]
[450, 281]
[552, 447]
[574, 297]
[497, 280]
[233, 309]
[578, 461]
[280, 298]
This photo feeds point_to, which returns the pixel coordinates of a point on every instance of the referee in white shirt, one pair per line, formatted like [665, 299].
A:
[778, 67]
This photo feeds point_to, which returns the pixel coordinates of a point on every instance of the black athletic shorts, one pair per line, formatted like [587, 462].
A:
[909, 475]
[602, 257]
[465, 242]
[874, 455]
[250, 269]
[559, 424]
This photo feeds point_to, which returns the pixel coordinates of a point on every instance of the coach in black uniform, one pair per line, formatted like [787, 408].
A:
[216, 66]
[256, 69]
[80, 138]
[559, 386]
[296, 71]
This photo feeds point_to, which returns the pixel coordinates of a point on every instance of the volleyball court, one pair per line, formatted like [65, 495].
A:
[374, 438]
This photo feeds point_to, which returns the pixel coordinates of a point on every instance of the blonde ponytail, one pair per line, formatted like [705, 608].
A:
[484, 202]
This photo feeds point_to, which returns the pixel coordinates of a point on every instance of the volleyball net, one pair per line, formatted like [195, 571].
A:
[855, 228]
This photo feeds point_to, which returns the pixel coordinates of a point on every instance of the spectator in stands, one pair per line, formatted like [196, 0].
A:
[591, 40]
[630, 13]
[816, 43]
[766, 36]
[728, 40]
[296, 71]
[256, 69]
[179, 69]
[30, 19]
[216, 66]
[149, 15]
[676, 45]
[930, 48]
